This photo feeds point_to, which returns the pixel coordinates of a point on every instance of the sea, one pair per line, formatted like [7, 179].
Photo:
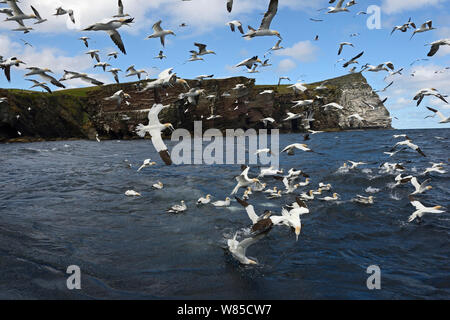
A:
[63, 204]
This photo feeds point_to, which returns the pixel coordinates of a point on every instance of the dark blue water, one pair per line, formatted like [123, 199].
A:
[63, 203]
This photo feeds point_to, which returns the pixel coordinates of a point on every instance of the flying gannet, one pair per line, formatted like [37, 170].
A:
[235, 24]
[115, 72]
[421, 210]
[120, 13]
[239, 249]
[7, 64]
[341, 46]
[39, 84]
[154, 128]
[60, 12]
[85, 41]
[159, 32]
[290, 148]
[420, 188]
[436, 45]
[43, 74]
[441, 116]
[244, 181]
[353, 60]
[133, 72]
[427, 26]
[427, 92]
[110, 28]
[338, 7]
[264, 29]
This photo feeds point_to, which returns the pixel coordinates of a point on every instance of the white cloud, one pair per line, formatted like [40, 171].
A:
[303, 51]
[285, 66]
[398, 6]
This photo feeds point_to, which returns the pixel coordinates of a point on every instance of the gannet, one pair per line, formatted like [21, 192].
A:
[289, 183]
[341, 46]
[94, 54]
[322, 86]
[337, 8]
[120, 13]
[111, 28]
[261, 223]
[17, 13]
[302, 103]
[266, 64]
[354, 165]
[317, 192]
[266, 92]
[404, 27]
[103, 65]
[420, 188]
[193, 95]
[332, 105]
[160, 56]
[283, 78]
[421, 210]
[7, 64]
[427, 26]
[165, 78]
[3, 99]
[244, 181]
[399, 179]
[437, 169]
[258, 187]
[298, 87]
[235, 24]
[305, 183]
[97, 138]
[408, 143]
[115, 72]
[132, 193]
[154, 128]
[353, 60]
[42, 73]
[159, 32]
[202, 49]
[204, 76]
[437, 112]
[292, 217]
[333, 198]
[308, 196]
[363, 200]
[271, 171]
[292, 116]
[194, 57]
[60, 12]
[248, 62]
[315, 132]
[238, 249]
[290, 148]
[204, 200]
[225, 203]
[118, 96]
[427, 92]
[178, 208]
[266, 120]
[276, 47]
[264, 29]
[159, 185]
[147, 163]
[113, 54]
[253, 70]
[39, 84]
[133, 72]
[275, 195]
[436, 45]
[85, 41]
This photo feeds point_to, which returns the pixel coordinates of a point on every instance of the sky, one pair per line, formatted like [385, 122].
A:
[56, 45]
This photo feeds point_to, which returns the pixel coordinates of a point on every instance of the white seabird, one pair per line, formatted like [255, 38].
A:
[178, 208]
[427, 26]
[264, 29]
[7, 64]
[110, 28]
[341, 46]
[159, 185]
[338, 7]
[220, 203]
[427, 92]
[420, 188]
[421, 210]
[159, 32]
[147, 163]
[248, 62]
[244, 181]
[436, 45]
[120, 13]
[60, 12]
[132, 193]
[154, 128]
[290, 148]
[204, 200]
[235, 24]
[133, 72]
[238, 249]
[437, 112]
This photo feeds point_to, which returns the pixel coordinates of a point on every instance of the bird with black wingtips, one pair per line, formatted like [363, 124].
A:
[264, 29]
[159, 32]
[110, 28]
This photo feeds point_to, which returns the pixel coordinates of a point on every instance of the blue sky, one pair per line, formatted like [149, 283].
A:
[55, 44]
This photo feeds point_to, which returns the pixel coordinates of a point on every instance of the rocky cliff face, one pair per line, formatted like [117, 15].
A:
[81, 113]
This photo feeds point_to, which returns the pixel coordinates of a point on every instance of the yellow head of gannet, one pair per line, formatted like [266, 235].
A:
[169, 125]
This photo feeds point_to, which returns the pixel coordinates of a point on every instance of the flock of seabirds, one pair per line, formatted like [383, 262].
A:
[262, 223]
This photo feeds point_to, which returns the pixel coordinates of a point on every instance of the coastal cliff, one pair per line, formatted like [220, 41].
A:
[83, 113]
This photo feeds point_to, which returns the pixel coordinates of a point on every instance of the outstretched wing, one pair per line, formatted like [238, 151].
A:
[116, 38]
[269, 15]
